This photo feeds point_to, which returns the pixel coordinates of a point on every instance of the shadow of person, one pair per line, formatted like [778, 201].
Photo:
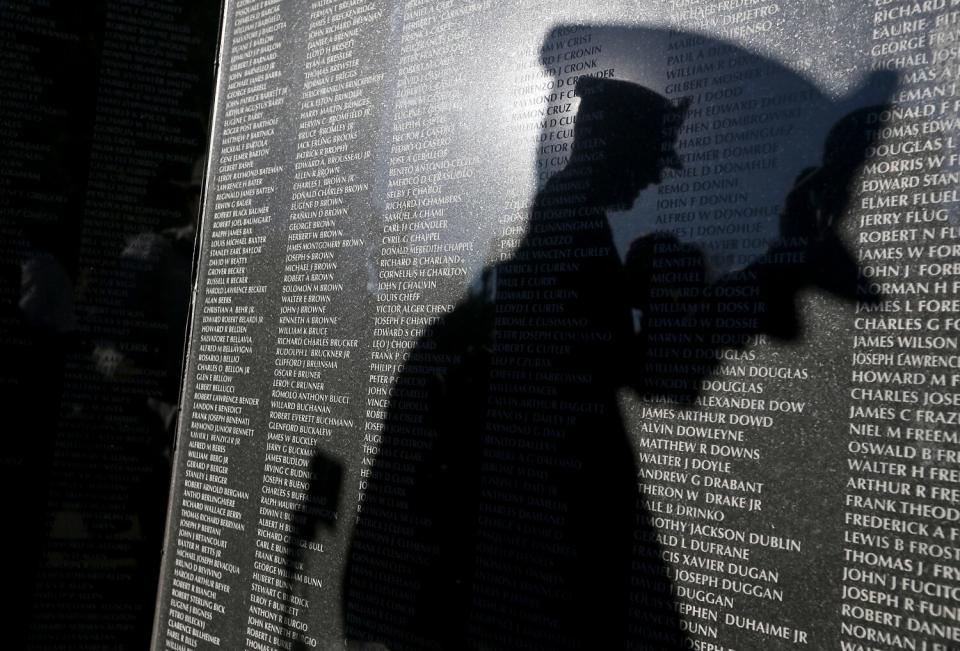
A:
[503, 509]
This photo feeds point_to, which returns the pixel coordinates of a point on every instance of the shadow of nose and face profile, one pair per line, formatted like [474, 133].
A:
[504, 509]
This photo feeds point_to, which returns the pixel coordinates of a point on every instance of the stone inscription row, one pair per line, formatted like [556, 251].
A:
[519, 330]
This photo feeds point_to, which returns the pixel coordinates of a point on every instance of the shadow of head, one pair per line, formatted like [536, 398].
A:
[623, 138]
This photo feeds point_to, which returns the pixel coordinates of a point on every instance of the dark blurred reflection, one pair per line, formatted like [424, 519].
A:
[504, 508]
[104, 109]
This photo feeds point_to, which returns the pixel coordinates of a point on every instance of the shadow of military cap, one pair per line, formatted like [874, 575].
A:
[618, 108]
